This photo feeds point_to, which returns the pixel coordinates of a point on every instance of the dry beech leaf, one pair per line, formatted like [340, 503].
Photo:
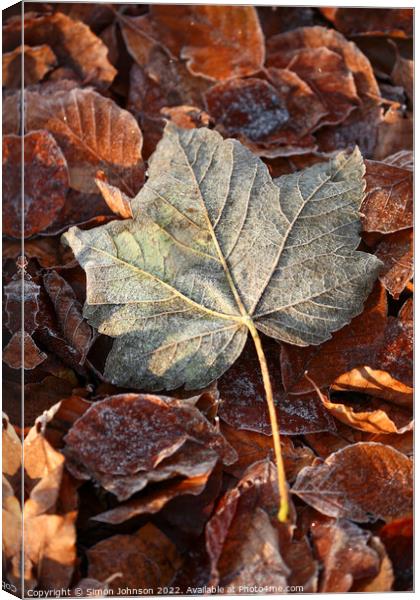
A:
[154, 501]
[75, 330]
[252, 447]
[273, 117]
[373, 416]
[390, 374]
[168, 438]
[355, 344]
[345, 552]
[395, 133]
[388, 205]
[361, 124]
[395, 251]
[243, 404]
[117, 201]
[93, 133]
[46, 182]
[187, 117]
[240, 252]
[37, 62]
[190, 33]
[146, 559]
[371, 21]
[72, 42]
[49, 519]
[403, 75]
[384, 579]
[247, 546]
[362, 482]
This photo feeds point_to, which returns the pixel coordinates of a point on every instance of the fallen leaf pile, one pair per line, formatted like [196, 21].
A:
[192, 174]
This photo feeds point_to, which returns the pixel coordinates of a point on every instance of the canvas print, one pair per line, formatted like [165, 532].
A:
[207, 299]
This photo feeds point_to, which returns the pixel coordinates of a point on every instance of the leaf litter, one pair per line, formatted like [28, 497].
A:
[189, 240]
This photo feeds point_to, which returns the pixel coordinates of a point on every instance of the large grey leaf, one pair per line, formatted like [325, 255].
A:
[215, 248]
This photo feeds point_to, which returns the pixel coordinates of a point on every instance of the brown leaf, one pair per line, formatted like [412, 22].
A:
[153, 502]
[362, 482]
[396, 252]
[371, 21]
[32, 355]
[383, 581]
[353, 345]
[191, 32]
[45, 182]
[243, 404]
[145, 559]
[37, 62]
[332, 82]
[246, 544]
[273, 118]
[49, 520]
[373, 416]
[116, 200]
[188, 117]
[93, 133]
[168, 438]
[344, 551]
[391, 377]
[253, 447]
[388, 205]
[350, 64]
[403, 75]
[395, 133]
[76, 332]
[72, 42]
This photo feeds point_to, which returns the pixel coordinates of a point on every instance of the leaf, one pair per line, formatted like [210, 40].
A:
[345, 552]
[175, 440]
[395, 133]
[362, 482]
[37, 62]
[388, 206]
[93, 133]
[253, 447]
[183, 319]
[143, 560]
[72, 328]
[306, 45]
[353, 345]
[390, 374]
[49, 515]
[243, 404]
[72, 42]
[247, 546]
[372, 21]
[45, 182]
[117, 201]
[273, 118]
[190, 33]
[396, 253]
[373, 416]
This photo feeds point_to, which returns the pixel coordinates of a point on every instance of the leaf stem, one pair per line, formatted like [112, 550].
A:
[282, 482]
